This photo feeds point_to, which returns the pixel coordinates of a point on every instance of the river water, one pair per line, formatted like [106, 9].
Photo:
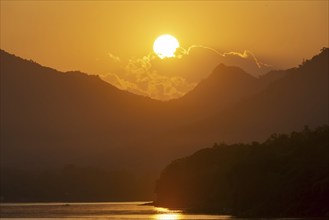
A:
[110, 210]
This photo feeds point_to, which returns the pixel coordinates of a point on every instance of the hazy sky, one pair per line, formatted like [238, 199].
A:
[101, 37]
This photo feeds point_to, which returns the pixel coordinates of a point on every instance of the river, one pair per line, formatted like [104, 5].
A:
[108, 210]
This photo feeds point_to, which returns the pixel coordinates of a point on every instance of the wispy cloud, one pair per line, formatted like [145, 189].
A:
[140, 76]
[114, 58]
[244, 55]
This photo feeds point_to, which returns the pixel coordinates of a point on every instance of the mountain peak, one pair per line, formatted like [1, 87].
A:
[225, 85]
[223, 72]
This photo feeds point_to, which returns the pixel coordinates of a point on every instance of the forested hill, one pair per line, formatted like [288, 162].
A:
[285, 176]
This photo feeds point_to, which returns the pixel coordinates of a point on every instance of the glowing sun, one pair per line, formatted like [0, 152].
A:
[165, 46]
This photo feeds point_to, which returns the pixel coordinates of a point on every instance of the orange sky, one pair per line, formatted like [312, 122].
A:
[81, 35]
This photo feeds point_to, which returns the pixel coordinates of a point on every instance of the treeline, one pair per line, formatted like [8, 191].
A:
[74, 184]
[286, 176]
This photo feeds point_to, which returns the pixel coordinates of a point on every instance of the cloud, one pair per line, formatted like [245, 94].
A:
[173, 77]
[114, 58]
[246, 54]
[150, 84]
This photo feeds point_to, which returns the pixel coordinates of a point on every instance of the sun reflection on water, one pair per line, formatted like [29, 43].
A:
[168, 216]
[160, 209]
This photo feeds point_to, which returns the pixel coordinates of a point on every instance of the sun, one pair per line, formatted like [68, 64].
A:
[165, 46]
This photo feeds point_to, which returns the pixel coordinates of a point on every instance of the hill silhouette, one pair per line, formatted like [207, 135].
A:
[285, 176]
[296, 97]
[50, 118]
[224, 87]
[56, 117]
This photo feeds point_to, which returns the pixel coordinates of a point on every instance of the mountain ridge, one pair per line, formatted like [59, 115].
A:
[69, 113]
[58, 122]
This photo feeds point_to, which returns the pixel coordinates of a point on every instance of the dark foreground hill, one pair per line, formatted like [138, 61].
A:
[285, 176]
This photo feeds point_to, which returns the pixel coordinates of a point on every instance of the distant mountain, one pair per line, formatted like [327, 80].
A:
[58, 113]
[225, 86]
[50, 118]
[295, 98]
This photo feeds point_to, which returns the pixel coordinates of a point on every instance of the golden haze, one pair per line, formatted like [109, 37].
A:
[81, 33]
[114, 39]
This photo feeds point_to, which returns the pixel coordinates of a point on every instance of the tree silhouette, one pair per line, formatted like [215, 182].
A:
[287, 175]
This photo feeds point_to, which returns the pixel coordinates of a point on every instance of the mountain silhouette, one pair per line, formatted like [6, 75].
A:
[48, 117]
[282, 103]
[224, 87]
[51, 118]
